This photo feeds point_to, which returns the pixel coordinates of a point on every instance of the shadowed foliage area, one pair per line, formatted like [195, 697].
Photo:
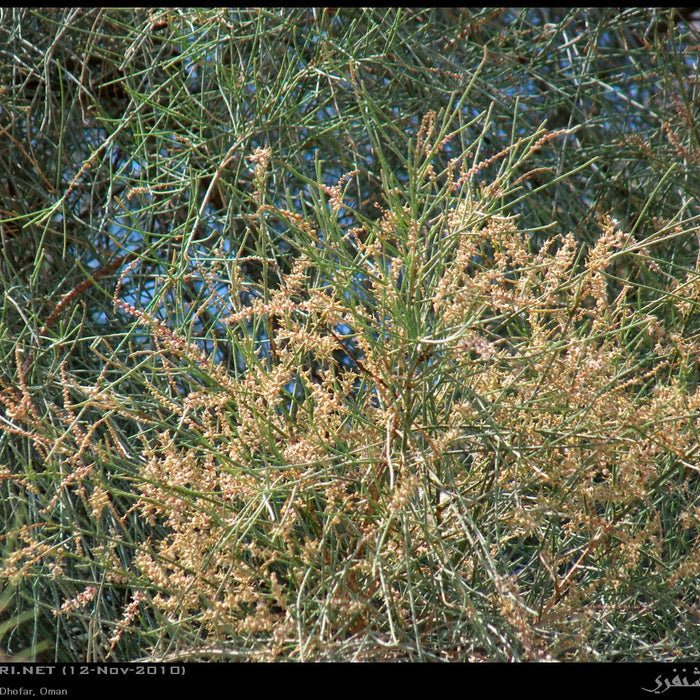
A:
[349, 334]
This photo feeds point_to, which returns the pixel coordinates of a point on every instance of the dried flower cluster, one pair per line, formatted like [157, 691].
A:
[437, 434]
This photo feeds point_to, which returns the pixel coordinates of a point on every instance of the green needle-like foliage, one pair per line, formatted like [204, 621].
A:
[349, 334]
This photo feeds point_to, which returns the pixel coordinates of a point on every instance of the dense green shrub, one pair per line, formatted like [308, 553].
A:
[349, 334]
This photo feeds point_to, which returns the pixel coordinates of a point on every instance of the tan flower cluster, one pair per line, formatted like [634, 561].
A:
[490, 414]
